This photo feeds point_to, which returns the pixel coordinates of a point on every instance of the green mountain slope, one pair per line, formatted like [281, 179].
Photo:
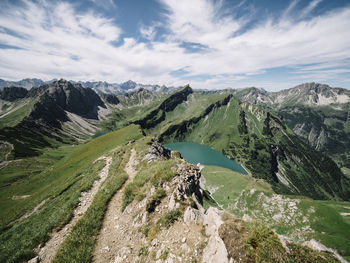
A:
[317, 113]
[59, 183]
[252, 136]
[296, 217]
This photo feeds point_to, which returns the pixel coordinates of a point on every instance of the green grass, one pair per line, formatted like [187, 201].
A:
[15, 117]
[264, 246]
[18, 242]
[61, 186]
[169, 218]
[326, 223]
[78, 246]
[156, 173]
[229, 184]
[346, 171]
[195, 105]
[24, 177]
[121, 117]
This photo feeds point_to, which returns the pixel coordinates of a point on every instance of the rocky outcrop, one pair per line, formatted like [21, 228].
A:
[188, 182]
[13, 93]
[215, 251]
[188, 185]
[157, 152]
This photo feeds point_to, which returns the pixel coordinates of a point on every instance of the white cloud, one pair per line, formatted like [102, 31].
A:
[55, 40]
[290, 8]
[148, 32]
[106, 4]
[312, 5]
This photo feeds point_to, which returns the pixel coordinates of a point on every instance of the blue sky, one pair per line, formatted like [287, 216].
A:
[209, 44]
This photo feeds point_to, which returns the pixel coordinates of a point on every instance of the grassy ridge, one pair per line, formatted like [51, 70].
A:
[78, 246]
[56, 178]
[18, 242]
[61, 186]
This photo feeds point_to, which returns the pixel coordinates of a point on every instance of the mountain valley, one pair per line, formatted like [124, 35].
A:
[84, 175]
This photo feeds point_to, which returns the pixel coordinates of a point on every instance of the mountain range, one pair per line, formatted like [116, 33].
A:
[317, 113]
[98, 86]
[58, 140]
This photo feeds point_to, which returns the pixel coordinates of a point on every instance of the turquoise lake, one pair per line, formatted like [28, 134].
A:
[197, 153]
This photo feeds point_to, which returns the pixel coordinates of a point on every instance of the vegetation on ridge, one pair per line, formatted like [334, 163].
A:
[61, 186]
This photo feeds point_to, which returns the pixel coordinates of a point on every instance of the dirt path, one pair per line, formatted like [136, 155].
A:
[47, 253]
[113, 231]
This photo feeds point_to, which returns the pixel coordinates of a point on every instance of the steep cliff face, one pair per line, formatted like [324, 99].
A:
[74, 98]
[110, 98]
[13, 93]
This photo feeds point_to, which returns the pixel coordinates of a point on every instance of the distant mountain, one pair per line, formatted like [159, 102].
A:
[24, 83]
[60, 111]
[48, 115]
[126, 87]
[307, 94]
[318, 113]
[98, 86]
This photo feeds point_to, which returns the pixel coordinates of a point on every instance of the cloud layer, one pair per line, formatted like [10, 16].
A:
[200, 41]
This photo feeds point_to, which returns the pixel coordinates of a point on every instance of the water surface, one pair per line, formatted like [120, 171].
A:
[197, 153]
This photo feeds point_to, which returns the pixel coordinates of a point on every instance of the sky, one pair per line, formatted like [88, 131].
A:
[270, 44]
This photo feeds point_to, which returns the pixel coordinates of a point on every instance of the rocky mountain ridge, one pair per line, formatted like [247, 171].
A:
[97, 86]
[318, 113]
[307, 94]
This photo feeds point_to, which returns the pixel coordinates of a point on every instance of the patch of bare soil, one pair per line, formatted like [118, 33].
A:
[17, 197]
[48, 251]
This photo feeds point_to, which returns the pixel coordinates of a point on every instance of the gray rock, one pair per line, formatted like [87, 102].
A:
[171, 202]
[188, 182]
[212, 221]
[193, 216]
[215, 251]
[13, 93]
